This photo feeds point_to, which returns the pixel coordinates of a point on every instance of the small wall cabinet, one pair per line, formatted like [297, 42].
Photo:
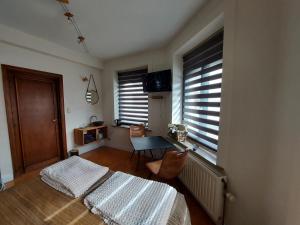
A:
[87, 135]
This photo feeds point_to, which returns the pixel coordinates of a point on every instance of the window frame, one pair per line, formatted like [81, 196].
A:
[135, 119]
[195, 51]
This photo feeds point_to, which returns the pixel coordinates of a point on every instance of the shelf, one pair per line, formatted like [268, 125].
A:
[128, 127]
[81, 133]
[91, 128]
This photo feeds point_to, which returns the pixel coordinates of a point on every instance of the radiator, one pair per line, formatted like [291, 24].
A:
[207, 186]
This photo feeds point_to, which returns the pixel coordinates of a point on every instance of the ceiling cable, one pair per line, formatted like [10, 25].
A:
[70, 18]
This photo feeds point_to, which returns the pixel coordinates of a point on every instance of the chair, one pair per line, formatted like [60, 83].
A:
[170, 166]
[137, 131]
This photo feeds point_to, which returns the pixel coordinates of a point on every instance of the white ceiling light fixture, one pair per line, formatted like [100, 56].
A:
[71, 20]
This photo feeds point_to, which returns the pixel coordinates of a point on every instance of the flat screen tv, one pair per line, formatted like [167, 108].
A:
[158, 81]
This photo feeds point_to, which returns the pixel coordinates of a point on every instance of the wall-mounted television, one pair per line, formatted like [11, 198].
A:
[158, 81]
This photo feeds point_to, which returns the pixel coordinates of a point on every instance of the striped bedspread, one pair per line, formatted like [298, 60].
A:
[73, 176]
[129, 200]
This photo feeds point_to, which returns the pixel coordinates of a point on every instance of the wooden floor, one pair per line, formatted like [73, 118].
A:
[118, 160]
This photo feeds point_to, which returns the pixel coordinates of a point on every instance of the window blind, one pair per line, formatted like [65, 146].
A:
[133, 102]
[202, 72]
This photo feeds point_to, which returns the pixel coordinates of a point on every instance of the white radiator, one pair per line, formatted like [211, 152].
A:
[207, 186]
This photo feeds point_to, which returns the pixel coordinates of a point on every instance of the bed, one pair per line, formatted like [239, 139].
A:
[35, 203]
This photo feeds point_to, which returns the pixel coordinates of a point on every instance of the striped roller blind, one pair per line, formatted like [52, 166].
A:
[133, 102]
[202, 69]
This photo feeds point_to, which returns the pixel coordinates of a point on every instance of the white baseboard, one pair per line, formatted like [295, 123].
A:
[117, 145]
[90, 147]
[6, 178]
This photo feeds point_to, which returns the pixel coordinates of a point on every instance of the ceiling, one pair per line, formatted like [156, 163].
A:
[112, 28]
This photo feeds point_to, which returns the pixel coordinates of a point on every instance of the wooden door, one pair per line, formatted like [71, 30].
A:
[35, 118]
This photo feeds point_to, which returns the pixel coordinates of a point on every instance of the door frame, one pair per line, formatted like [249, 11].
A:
[7, 70]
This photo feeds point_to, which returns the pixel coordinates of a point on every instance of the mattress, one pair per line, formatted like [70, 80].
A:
[34, 202]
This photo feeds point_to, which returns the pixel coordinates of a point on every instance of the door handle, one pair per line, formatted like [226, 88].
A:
[54, 120]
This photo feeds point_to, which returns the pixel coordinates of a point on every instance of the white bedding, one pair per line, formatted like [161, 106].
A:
[129, 200]
[73, 176]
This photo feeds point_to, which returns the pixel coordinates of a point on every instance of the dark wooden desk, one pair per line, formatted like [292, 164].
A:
[149, 144]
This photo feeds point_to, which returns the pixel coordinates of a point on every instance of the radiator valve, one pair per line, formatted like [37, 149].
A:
[230, 197]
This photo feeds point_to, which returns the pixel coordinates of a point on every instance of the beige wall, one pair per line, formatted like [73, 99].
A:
[259, 138]
[159, 110]
[74, 91]
[283, 188]
[247, 113]
[205, 22]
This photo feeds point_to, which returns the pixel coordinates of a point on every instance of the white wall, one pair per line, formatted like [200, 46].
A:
[249, 88]
[205, 22]
[74, 91]
[159, 110]
[259, 138]
[283, 194]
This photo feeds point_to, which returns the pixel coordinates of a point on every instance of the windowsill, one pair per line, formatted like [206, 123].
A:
[202, 153]
[127, 127]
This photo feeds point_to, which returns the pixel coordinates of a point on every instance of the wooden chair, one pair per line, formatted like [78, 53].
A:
[137, 131]
[170, 166]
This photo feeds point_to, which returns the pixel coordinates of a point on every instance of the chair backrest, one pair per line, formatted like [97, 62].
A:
[172, 164]
[137, 131]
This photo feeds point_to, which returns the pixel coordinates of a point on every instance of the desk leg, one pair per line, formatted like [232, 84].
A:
[138, 161]
[151, 153]
[132, 154]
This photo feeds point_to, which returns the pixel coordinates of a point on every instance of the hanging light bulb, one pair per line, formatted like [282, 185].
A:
[80, 39]
[63, 1]
[71, 20]
[69, 17]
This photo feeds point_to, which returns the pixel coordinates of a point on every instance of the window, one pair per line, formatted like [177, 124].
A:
[133, 102]
[202, 72]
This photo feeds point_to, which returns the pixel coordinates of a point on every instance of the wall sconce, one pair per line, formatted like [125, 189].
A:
[84, 78]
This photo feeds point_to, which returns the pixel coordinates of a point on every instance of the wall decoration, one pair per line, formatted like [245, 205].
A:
[91, 95]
